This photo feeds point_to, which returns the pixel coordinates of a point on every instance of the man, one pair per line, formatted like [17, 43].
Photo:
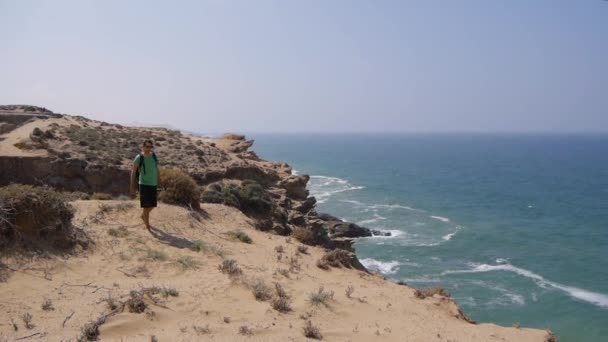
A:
[146, 164]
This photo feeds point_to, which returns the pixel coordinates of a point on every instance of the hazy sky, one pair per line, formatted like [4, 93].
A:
[285, 66]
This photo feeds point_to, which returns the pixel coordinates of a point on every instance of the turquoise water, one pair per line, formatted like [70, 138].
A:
[514, 226]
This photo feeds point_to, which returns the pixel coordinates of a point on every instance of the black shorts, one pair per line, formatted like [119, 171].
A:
[147, 196]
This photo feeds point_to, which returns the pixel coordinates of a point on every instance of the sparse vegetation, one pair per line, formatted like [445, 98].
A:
[281, 304]
[245, 330]
[230, 267]
[249, 196]
[303, 249]
[430, 292]
[179, 188]
[47, 305]
[187, 263]
[260, 290]
[136, 302]
[349, 291]
[284, 272]
[321, 296]
[118, 232]
[239, 235]
[39, 213]
[199, 330]
[312, 331]
[155, 255]
[27, 320]
[279, 249]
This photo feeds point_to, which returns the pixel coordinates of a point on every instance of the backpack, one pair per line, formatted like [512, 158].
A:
[143, 165]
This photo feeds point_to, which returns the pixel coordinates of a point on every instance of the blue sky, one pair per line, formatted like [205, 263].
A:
[313, 66]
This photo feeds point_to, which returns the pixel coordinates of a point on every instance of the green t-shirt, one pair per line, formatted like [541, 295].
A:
[148, 174]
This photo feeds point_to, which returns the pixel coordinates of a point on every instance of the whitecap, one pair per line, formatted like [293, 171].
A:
[595, 298]
[294, 172]
[323, 187]
[390, 267]
[449, 236]
[393, 206]
[440, 218]
[353, 202]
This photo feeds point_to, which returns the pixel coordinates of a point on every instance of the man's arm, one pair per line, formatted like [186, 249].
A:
[132, 187]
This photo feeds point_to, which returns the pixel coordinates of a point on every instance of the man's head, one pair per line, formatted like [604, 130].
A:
[148, 145]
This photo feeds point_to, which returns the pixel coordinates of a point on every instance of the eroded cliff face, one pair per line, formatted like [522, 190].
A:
[77, 154]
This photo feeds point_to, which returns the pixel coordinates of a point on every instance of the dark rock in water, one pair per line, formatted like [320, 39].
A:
[327, 217]
[347, 229]
[380, 233]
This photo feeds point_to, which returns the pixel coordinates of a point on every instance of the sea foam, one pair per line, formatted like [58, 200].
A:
[389, 267]
[595, 298]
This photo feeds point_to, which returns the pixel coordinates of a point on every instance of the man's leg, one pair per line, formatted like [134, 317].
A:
[146, 217]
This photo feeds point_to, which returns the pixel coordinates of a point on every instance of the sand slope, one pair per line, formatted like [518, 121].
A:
[378, 310]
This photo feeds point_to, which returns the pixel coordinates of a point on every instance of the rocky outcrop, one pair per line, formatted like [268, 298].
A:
[295, 186]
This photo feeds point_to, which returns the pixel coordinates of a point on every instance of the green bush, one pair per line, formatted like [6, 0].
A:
[249, 197]
[179, 188]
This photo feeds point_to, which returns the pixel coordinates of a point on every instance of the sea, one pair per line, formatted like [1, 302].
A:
[514, 226]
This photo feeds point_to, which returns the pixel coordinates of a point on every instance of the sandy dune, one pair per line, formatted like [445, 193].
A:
[211, 306]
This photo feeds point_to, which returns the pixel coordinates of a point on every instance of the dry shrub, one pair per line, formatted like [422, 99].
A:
[179, 188]
[281, 304]
[312, 331]
[239, 235]
[245, 330]
[230, 267]
[336, 258]
[47, 305]
[303, 235]
[136, 302]
[39, 213]
[260, 290]
[429, 292]
[321, 296]
[118, 232]
[303, 249]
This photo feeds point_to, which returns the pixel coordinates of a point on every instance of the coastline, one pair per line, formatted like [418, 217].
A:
[230, 157]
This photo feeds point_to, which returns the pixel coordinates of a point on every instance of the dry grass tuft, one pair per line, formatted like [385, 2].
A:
[118, 232]
[430, 292]
[27, 320]
[312, 331]
[136, 302]
[260, 290]
[281, 304]
[321, 296]
[230, 267]
[245, 330]
[47, 305]
[349, 291]
[239, 235]
[187, 263]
